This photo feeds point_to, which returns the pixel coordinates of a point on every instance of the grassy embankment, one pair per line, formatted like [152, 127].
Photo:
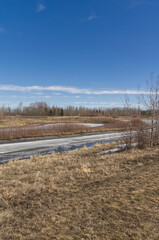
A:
[81, 195]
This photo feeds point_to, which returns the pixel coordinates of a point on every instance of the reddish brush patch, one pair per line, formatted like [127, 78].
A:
[39, 130]
[137, 122]
[117, 124]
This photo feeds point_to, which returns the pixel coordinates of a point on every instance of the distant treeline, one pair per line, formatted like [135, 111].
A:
[43, 109]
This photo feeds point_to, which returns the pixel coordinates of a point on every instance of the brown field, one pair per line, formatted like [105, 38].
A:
[51, 130]
[16, 121]
[81, 195]
[25, 127]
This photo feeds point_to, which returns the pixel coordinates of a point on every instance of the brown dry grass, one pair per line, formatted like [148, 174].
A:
[43, 131]
[28, 127]
[25, 127]
[16, 121]
[81, 195]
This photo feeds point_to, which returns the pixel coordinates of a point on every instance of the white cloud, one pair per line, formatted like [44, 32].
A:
[99, 104]
[71, 90]
[132, 4]
[41, 7]
[47, 97]
[91, 17]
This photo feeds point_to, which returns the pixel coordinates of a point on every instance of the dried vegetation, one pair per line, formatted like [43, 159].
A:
[16, 121]
[23, 127]
[81, 195]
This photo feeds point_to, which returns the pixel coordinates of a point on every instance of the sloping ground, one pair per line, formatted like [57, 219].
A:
[81, 195]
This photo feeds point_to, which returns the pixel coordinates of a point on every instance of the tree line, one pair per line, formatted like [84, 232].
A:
[44, 109]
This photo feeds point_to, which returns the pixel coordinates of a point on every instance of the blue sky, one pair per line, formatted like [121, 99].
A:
[77, 52]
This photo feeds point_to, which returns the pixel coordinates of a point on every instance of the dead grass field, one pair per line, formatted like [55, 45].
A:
[25, 127]
[56, 130]
[81, 195]
[16, 121]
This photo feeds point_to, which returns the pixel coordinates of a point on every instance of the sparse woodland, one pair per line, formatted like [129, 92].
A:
[43, 109]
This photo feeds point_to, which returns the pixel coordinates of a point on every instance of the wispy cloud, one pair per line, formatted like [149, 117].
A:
[70, 90]
[91, 17]
[47, 97]
[1, 30]
[99, 104]
[41, 7]
[90, 104]
[135, 3]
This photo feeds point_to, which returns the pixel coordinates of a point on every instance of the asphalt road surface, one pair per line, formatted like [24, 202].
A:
[24, 149]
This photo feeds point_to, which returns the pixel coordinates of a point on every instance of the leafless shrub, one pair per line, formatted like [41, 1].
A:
[37, 130]
[150, 101]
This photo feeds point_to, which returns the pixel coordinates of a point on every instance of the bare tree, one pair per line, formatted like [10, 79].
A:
[2, 112]
[150, 101]
[136, 128]
[129, 135]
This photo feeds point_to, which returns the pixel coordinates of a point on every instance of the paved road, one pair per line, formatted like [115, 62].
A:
[20, 150]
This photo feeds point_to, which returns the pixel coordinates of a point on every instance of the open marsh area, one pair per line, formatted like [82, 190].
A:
[81, 195]
[17, 121]
[26, 127]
